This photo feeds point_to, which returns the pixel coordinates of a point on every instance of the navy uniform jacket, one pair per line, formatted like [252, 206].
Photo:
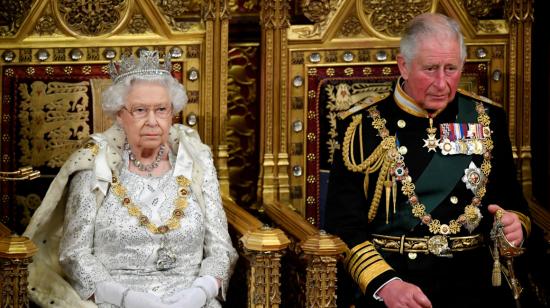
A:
[347, 206]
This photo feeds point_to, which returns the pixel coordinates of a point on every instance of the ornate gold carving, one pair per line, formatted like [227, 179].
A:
[138, 24]
[390, 19]
[45, 25]
[15, 256]
[193, 51]
[319, 12]
[492, 26]
[351, 27]
[59, 54]
[297, 57]
[12, 15]
[264, 280]
[91, 18]
[53, 121]
[479, 9]
[321, 281]
[175, 10]
[25, 55]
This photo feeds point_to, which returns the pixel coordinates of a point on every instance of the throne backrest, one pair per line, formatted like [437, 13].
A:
[349, 55]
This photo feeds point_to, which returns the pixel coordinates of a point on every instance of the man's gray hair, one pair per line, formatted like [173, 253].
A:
[113, 99]
[429, 25]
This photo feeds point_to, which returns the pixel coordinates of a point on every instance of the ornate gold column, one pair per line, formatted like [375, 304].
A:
[322, 252]
[274, 180]
[264, 248]
[216, 18]
[15, 256]
[520, 18]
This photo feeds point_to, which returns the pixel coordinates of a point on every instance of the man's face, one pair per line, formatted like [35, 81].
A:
[432, 77]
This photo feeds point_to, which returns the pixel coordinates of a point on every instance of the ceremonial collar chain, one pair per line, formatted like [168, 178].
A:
[141, 166]
[180, 204]
[472, 215]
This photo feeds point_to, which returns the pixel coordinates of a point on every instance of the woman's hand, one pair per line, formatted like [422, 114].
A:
[398, 293]
[512, 225]
[116, 294]
[203, 289]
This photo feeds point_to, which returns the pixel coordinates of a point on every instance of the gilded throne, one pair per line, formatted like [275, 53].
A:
[265, 103]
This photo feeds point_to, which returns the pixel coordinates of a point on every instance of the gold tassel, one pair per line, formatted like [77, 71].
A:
[497, 276]
[388, 186]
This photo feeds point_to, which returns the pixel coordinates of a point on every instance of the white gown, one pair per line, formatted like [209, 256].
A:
[107, 243]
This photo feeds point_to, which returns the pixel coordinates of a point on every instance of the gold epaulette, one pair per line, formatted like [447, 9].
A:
[479, 97]
[364, 264]
[369, 101]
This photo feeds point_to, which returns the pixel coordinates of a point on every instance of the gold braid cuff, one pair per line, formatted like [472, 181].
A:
[364, 264]
[525, 221]
[378, 160]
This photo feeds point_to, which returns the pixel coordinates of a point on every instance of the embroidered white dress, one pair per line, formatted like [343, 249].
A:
[107, 243]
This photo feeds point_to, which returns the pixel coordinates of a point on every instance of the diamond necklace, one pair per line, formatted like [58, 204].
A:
[472, 215]
[141, 166]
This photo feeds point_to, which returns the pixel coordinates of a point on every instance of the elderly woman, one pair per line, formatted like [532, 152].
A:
[143, 221]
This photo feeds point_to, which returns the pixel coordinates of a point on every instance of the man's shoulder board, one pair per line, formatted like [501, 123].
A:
[364, 104]
[478, 97]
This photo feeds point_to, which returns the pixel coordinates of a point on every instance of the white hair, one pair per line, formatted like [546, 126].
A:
[114, 98]
[429, 25]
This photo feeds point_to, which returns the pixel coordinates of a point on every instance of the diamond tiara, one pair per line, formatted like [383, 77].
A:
[146, 65]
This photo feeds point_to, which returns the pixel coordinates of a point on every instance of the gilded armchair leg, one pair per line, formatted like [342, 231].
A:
[264, 280]
[323, 252]
[264, 248]
[321, 281]
[15, 256]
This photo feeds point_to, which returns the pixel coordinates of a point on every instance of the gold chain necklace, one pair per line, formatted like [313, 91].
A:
[180, 203]
[472, 215]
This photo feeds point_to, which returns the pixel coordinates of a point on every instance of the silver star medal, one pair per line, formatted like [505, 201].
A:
[473, 177]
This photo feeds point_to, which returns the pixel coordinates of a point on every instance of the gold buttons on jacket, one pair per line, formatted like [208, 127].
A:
[401, 123]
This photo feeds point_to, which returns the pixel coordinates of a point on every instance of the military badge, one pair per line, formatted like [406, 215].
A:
[473, 177]
[462, 138]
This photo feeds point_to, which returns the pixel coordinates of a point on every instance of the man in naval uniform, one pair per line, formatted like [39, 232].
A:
[420, 177]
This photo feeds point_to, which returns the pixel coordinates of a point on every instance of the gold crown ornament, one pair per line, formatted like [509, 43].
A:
[146, 65]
